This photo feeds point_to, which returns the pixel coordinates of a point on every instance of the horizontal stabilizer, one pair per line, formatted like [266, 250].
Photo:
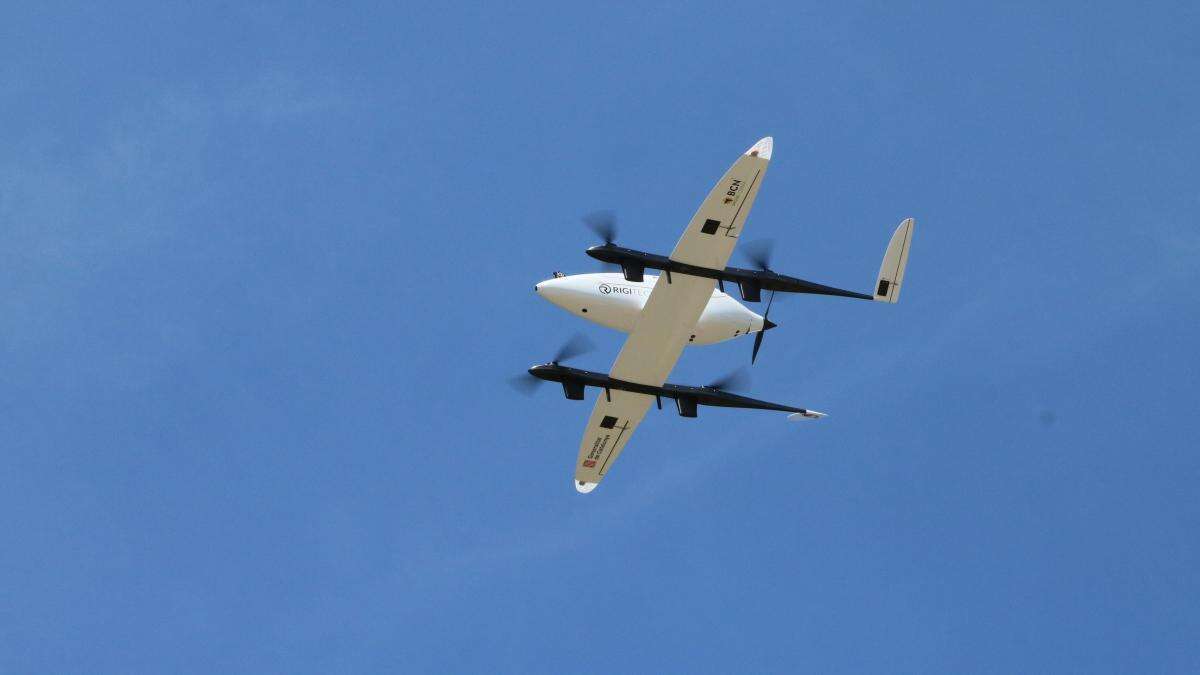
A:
[891, 272]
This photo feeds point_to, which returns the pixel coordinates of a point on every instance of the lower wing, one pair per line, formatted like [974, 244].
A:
[613, 421]
[650, 352]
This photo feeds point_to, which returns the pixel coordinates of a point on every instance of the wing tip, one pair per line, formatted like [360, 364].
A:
[806, 415]
[895, 261]
[583, 487]
[762, 148]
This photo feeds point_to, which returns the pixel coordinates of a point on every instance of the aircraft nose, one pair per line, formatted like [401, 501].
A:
[768, 324]
[552, 290]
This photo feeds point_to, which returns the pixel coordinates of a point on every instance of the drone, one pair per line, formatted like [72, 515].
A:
[684, 305]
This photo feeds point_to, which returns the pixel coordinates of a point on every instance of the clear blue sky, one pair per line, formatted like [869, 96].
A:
[265, 269]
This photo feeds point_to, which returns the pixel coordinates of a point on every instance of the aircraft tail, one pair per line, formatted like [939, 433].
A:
[891, 272]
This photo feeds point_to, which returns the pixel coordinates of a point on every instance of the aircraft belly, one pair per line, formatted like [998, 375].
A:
[616, 313]
[663, 329]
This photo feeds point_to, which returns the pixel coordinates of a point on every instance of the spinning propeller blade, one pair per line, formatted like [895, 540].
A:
[767, 325]
[733, 381]
[759, 253]
[576, 345]
[604, 224]
[525, 384]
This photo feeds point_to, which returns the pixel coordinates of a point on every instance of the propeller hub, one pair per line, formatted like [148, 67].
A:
[768, 324]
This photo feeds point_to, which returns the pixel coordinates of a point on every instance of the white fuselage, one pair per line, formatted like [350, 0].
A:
[610, 300]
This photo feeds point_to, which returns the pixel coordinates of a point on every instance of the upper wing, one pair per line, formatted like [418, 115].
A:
[670, 315]
[677, 301]
[714, 230]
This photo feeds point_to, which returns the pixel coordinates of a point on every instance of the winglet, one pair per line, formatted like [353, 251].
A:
[584, 488]
[806, 415]
[891, 272]
[762, 148]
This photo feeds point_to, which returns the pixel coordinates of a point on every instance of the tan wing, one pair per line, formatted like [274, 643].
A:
[895, 259]
[608, 430]
[666, 323]
[714, 230]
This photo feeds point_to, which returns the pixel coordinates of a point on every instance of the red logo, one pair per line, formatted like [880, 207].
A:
[589, 463]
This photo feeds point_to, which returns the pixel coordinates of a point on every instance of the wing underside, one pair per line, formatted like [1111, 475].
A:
[669, 317]
[614, 418]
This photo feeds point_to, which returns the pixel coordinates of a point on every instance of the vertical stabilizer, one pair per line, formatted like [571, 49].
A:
[891, 272]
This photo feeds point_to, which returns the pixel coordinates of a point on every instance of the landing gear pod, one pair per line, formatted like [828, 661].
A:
[686, 406]
[751, 290]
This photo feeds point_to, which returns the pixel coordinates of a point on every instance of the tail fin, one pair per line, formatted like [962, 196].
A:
[891, 272]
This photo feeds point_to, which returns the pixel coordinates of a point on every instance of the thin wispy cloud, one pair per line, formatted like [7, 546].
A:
[72, 208]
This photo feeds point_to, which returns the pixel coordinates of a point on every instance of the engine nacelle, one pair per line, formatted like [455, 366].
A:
[573, 390]
[686, 406]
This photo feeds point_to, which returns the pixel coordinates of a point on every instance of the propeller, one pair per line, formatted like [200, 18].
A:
[525, 384]
[604, 224]
[732, 381]
[576, 345]
[759, 253]
[767, 325]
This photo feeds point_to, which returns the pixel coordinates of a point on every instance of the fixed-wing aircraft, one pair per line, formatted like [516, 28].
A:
[682, 306]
